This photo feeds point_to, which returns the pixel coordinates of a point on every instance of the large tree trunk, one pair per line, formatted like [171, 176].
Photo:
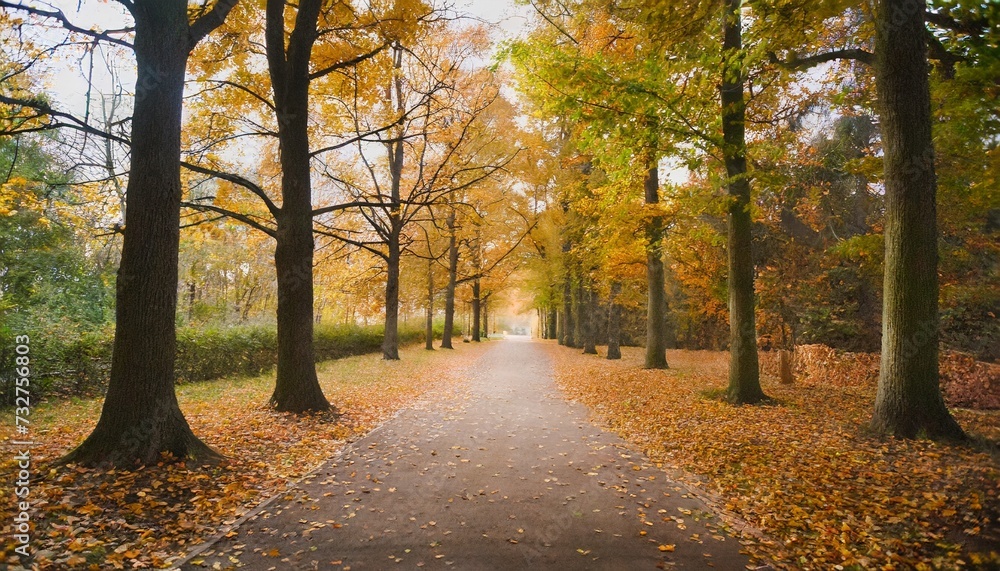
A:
[140, 418]
[296, 387]
[908, 402]
[614, 322]
[390, 340]
[476, 311]
[589, 324]
[429, 326]
[656, 305]
[449, 294]
[744, 370]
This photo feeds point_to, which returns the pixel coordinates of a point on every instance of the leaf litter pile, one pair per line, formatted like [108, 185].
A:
[816, 490]
[150, 517]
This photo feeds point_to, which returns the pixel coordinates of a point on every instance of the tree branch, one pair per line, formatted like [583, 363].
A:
[236, 179]
[209, 21]
[794, 62]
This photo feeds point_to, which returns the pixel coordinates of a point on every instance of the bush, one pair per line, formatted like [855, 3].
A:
[78, 364]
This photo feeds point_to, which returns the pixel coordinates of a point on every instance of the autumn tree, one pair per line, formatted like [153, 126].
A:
[908, 402]
[140, 418]
[438, 144]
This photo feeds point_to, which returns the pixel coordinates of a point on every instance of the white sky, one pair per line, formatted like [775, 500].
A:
[67, 80]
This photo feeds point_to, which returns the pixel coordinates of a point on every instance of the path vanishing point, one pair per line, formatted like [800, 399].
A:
[501, 474]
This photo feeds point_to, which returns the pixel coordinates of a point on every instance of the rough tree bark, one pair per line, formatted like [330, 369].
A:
[449, 297]
[590, 323]
[140, 418]
[908, 402]
[296, 388]
[744, 369]
[614, 322]
[476, 311]
[656, 305]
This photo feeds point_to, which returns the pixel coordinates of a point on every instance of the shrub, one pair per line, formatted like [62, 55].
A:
[75, 364]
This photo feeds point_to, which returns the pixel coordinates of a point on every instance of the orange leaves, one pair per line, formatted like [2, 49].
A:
[149, 517]
[803, 471]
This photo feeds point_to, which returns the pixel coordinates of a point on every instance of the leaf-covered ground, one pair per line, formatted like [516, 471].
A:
[803, 471]
[148, 518]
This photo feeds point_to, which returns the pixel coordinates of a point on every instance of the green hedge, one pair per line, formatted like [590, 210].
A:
[79, 366]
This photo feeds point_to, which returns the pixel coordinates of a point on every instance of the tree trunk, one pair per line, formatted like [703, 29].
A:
[908, 402]
[561, 327]
[568, 326]
[140, 418]
[429, 327]
[614, 322]
[589, 324]
[656, 305]
[551, 322]
[296, 387]
[449, 294]
[786, 366]
[192, 292]
[580, 304]
[476, 311]
[486, 321]
[744, 370]
[390, 339]
[395, 150]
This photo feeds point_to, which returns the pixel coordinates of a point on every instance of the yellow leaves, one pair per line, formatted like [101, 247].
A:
[667, 548]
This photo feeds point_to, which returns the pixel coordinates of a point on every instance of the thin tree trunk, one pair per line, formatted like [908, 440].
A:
[429, 327]
[656, 305]
[390, 339]
[614, 322]
[449, 294]
[786, 366]
[908, 402]
[140, 418]
[296, 387]
[589, 323]
[476, 311]
[561, 327]
[567, 333]
[551, 322]
[580, 304]
[744, 370]
[395, 150]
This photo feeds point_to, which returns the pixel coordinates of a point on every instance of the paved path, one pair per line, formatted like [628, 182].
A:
[505, 475]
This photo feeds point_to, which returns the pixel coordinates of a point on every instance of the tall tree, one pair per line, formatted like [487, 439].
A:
[744, 370]
[140, 418]
[908, 402]
[296, 388]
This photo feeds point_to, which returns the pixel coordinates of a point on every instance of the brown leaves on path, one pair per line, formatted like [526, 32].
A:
[804, 471]
[148, 518]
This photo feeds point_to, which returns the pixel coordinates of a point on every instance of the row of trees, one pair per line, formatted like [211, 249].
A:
[372, 127]
[804, 136]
